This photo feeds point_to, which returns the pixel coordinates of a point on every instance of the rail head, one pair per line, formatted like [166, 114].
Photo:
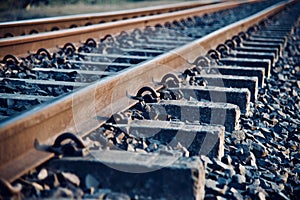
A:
[85, 109]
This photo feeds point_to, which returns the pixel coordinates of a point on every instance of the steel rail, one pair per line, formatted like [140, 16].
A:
[17, 28]
[85, 109]
[20, 45]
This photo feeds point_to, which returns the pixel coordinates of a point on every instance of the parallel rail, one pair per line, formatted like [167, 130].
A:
[85, 109]
[24, 27]
[20, 45]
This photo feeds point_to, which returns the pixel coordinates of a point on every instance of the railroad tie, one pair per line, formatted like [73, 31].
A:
[198, 139]
[204, 112]
[229, 81]
[147, 175]
[248, 62]
[258, 72]
[237, 96]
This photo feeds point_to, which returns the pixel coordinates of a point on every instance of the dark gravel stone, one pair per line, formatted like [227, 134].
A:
[239, 178]
[259, 150]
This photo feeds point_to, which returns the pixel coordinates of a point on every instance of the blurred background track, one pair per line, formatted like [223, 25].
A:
[11, 10]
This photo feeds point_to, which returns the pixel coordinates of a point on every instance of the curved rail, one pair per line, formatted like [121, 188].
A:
[22, 44]
[24, 27]
[85, 109]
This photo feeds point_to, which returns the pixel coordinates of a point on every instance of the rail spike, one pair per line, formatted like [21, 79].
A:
[10, 58]
[243, 35]
[7, 191]
[69, 48]
[43, 51]
[231, 44]
[168, 80]
[202, 61]
[91, 42]
[222, 49]
[7, 35]
[151, 95]
[236, 39]
[213, 54]
[74, 148]
[108, 38]
[252, 29]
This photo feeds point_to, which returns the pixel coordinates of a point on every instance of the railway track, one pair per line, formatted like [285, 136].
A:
[26, 27]
[220, 124]
[51, 40]
[124, 51]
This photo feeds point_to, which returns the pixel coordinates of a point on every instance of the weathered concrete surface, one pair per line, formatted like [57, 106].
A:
[144, 175]
[251, 83]
[237, 96]
[204, 112]
[198, 139]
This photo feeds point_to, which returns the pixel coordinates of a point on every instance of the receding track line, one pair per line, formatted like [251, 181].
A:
[17, 28]
[20, 45]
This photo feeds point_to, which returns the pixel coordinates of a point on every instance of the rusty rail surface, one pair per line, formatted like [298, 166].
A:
[85, 109]
[20, 45]
[24, 27]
